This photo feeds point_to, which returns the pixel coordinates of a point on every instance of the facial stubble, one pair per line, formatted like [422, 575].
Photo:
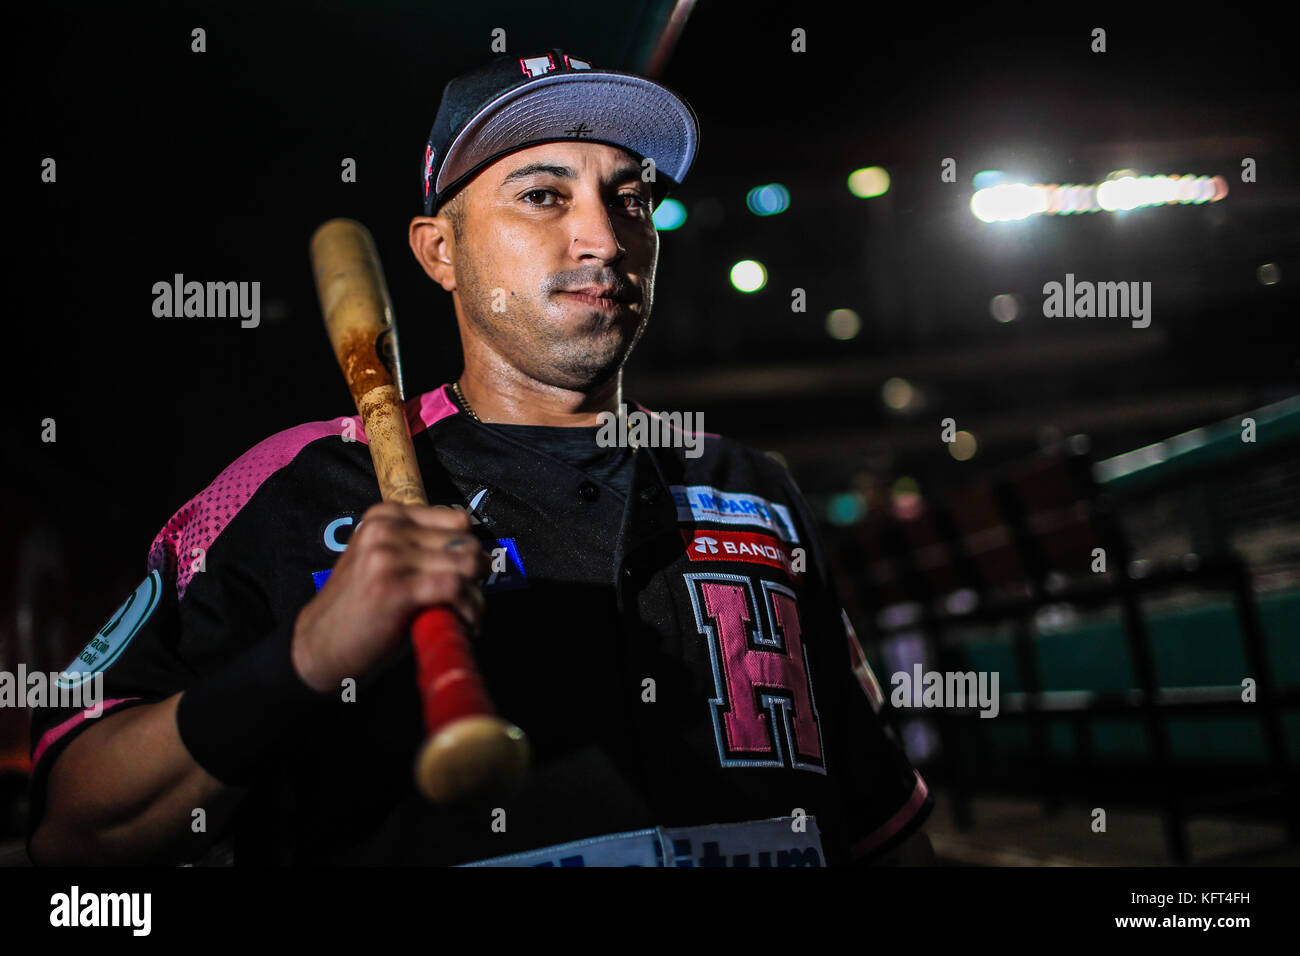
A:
[580, 357]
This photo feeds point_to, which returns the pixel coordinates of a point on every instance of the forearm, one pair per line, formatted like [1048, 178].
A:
[126, 791]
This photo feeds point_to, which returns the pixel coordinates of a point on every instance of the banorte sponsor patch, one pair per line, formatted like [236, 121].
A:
[748, 546]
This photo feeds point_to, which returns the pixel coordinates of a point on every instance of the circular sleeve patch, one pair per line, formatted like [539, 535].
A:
[107, 645]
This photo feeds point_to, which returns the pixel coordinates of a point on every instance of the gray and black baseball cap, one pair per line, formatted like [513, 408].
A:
[520, 101]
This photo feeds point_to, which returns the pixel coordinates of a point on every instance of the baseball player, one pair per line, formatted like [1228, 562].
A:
[656, 614]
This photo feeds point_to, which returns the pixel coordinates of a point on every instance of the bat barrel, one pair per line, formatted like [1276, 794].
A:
[355, 303]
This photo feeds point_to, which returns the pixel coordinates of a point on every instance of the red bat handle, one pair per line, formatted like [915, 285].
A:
[449, 682]
[469, 752]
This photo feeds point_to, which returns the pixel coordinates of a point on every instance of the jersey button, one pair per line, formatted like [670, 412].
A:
[588, 491]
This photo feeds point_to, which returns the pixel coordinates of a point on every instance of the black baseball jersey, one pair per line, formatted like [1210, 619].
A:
[659, 621]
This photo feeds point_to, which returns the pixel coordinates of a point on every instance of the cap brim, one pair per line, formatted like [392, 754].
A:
[581, 106]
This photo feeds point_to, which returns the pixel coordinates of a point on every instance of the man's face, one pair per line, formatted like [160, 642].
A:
[538, 223]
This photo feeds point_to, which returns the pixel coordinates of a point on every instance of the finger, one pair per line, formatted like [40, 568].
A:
[470, 606]
[442, 522]
[432, 588]
[465, 552]
[442, 517]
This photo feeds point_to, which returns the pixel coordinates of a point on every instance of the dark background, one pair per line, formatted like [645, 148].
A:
[220, 165]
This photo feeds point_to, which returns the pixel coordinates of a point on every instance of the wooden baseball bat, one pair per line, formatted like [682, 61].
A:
[469, 753]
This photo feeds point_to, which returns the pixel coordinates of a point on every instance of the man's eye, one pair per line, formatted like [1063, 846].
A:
[538, 192]
[637, 201]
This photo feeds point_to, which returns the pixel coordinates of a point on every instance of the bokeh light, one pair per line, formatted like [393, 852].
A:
[1009, 202]
[1004, 307]
[905, 498]
[843, 324]
[963, 446]
[768, 200]
[868, 182]
[670, 215]
[748, 275]
[898, 394]
[846, 508]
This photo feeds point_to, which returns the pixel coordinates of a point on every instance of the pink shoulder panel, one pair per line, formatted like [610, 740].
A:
[201, 519]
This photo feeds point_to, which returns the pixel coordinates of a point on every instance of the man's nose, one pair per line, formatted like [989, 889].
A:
[592, 230]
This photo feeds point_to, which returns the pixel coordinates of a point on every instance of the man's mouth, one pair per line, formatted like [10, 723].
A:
[603, 299]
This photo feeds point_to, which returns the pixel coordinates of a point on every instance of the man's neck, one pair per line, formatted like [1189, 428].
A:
[515, 400]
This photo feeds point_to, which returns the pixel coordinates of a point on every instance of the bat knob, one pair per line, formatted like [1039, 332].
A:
[472, 759]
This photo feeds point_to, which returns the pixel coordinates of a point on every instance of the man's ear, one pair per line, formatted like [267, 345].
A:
[433, 243]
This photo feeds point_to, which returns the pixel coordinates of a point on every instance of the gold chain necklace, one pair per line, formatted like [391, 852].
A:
[464, 403]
